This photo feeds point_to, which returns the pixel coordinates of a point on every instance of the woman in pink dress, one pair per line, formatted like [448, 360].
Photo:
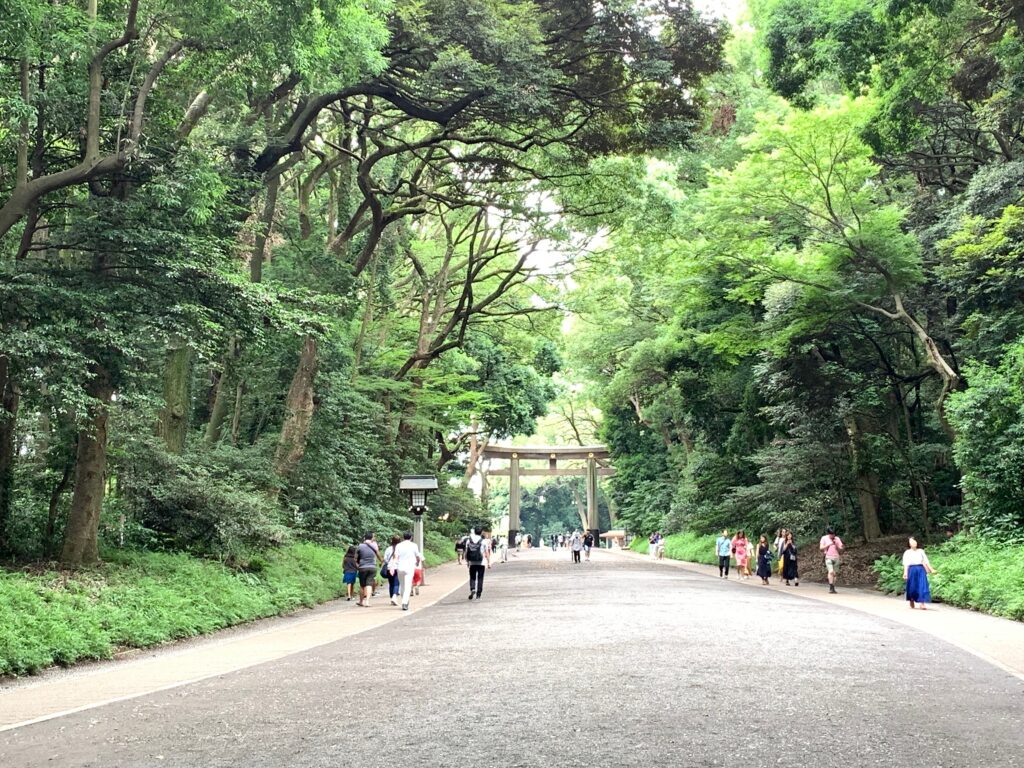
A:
[741, 549]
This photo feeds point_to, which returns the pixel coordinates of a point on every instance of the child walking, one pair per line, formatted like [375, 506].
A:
[349, 570]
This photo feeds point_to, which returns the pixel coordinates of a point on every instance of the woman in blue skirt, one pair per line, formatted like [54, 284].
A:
[915, 572]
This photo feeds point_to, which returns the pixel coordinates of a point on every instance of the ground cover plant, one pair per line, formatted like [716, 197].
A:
[972, 573]
[137, 599]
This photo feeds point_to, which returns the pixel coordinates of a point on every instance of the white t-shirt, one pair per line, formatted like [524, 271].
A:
[577, 542]
[407, 554]
[914, 557]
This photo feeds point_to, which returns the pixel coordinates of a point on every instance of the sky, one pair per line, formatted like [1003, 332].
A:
[728, 9]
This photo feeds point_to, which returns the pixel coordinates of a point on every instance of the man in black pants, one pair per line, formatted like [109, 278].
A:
[478, 557]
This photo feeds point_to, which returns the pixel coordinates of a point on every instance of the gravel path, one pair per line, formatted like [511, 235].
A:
[612, 663]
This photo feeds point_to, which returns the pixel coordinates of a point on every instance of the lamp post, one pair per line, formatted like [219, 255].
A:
[418, 486]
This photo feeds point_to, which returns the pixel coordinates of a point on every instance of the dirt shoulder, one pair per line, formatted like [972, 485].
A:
[858, 557]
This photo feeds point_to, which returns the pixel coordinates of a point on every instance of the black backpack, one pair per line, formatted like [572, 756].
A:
[475, 551]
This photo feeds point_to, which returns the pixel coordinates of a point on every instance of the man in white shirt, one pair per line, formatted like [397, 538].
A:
[408, 557]
[478, 557]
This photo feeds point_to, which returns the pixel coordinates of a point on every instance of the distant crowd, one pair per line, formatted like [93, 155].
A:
[401, 563]
[780, 557]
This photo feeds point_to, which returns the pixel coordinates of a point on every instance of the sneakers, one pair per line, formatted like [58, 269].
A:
[405, 606]
[831, 589]
[472, 595]
[477, 595]
[394, 601]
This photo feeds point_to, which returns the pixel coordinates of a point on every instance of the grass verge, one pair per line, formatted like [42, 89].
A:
[972, 573]
[687, 546]
[137, 599]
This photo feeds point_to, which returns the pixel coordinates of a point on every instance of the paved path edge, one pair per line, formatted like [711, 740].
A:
[1005, 652]
[228, 656]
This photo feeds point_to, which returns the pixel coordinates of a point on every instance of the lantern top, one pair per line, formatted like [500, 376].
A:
[418, 483]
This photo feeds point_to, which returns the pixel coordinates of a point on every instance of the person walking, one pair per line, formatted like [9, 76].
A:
[764, 559]
[367, 557]
[350, 571]
[478, 557]
[576, 545]
[790, 572]
[389, 570]
[741, 551]
[723, 549]
[407, 559]
[831, 545]
[588, 544]
[915, 572]
[460, 548]
[778, 545]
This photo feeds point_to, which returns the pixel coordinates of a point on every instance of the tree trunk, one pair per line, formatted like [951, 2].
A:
[224, 393]
[868, 496]
[236, 420]
[174, 421]
[54, 508]
[81, 538]
[298, 411]
[476, 450]
[9, 398]
[266, 223]
[581, 508]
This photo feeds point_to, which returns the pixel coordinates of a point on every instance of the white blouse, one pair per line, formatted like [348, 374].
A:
[915, 557]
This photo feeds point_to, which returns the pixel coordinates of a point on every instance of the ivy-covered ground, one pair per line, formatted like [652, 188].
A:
[138, 599]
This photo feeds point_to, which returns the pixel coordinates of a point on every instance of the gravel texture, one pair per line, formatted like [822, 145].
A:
[616, 662]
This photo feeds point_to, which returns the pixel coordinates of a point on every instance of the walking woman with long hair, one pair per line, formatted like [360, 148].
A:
[790, 571]
[390, 570]
[764, 559]
[741, 551]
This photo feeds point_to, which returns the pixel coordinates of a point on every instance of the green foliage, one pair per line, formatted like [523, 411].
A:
[211, 502]
[983, 574]
[989, 447]
[137, 599]
[691, 547]
[687, 546]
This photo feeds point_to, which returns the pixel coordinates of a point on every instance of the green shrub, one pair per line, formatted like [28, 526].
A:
[687, 546]
[691, 547]
[137, 599]
[215, 502]
[971, 573]
[989, 448]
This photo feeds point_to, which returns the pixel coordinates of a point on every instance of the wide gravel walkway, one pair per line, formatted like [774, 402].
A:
[618, 662]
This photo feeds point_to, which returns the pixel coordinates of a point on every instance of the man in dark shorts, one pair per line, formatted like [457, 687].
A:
[367, 556]
[460, 547]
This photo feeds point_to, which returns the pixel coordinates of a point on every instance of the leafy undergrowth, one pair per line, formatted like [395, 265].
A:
[972, 573]
[688, 546]
[136, 599]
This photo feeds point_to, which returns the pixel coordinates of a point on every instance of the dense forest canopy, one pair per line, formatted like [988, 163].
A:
[257, 260]
[812, 316]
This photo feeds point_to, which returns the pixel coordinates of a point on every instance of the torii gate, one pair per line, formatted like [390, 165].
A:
[592, 454]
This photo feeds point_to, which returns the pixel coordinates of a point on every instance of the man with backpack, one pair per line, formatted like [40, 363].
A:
[478, 558]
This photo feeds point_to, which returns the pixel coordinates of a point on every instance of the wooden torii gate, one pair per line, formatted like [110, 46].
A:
[594, 455]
